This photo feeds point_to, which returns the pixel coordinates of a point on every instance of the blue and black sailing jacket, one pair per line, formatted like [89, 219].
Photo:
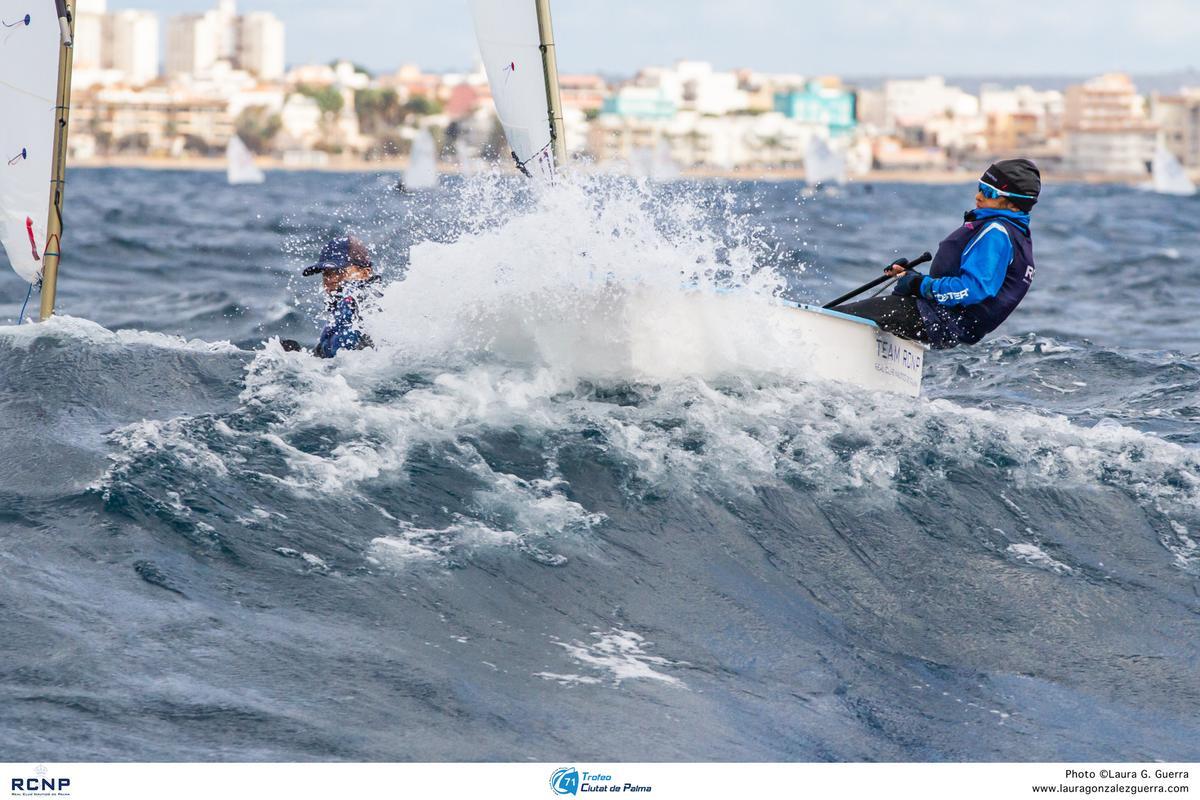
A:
[343, 331]
[980, 274]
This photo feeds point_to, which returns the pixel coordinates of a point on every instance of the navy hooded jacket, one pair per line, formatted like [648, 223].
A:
[343, 331]
[980, 274]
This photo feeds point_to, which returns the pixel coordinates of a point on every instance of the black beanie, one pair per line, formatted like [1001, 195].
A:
[1016, 175]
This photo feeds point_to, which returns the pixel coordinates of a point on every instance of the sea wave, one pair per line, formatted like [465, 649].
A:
[215, 551]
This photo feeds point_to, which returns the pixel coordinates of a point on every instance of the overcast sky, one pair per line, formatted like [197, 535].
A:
[848, 37]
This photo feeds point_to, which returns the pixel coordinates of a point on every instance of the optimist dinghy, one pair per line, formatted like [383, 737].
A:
[516, 44]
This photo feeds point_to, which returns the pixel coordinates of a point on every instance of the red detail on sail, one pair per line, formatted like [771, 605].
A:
[32, 239]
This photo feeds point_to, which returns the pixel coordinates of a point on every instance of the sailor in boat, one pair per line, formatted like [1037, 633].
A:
[350, 282]
[980, 273]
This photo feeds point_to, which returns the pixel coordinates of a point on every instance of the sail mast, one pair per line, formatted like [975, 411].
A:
[62, 111]
[558, 139]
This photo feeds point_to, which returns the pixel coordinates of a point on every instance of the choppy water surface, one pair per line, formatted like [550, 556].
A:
[491, 539]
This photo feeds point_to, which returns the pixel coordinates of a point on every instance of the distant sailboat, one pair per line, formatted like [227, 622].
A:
[1168, 175]
[240, 167]
[35, 91]
[823, 165]
[422, 163]
[469, 166]
[655, 163]
[663, 167]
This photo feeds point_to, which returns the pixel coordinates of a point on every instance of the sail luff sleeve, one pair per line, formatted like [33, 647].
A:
[64, 22]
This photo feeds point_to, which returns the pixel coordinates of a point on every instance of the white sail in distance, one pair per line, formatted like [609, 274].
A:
[1168, 175]
[822, 164]
[663, 167]
[655, 163]
[509, 44]
[422, 163]
[30, 39]
[240, 167]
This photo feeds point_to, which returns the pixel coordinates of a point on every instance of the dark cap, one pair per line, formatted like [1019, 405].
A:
[1017, 178]
[339, 254]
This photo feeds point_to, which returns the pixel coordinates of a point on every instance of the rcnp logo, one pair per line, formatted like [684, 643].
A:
[565, 781]
[39, 785]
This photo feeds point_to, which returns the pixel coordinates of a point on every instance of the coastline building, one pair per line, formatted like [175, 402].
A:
[1178, 117]
[692, 86]
[822, 104]
[705, 91]
[154, 120]
[910, 103]
[921, 115]
[301, 118]
[191, 45]
[641, 102]
[890, 154]
[584, 92]
[869, 110]
[1106, 128]
[734, 141]
[1022, 119]
[410, 81]
[994, 99]
[90, 19]
[118, 47]
[311, 75]
[134, 46]
[225, 25]
[253, 43]
[261, 45]
[761, 88]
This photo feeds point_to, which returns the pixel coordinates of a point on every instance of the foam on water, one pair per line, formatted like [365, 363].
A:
[619, 653]
[1033, 555]
[508, 329]
[83, 329]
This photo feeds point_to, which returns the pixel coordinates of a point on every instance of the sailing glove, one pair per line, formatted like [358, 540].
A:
[909, 283]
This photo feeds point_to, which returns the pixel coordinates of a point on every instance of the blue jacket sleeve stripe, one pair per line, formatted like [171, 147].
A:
[983, 265]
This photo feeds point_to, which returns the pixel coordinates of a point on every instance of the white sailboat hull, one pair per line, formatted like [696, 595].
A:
[855, 351]
[805, 341]
[648, 336]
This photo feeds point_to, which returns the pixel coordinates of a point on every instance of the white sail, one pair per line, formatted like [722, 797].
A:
[422, 163]
[469, 165]
[655, 163]
[663, 166]
[1168, 175]
[29, 55]
[822, 164]
[240, 167]
[507, 31]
